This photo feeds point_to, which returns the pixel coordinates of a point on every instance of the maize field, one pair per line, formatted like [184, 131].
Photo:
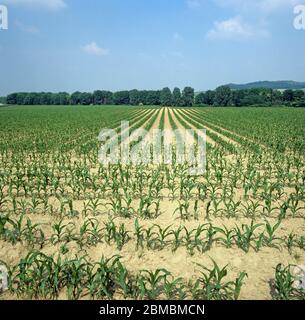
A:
[72, 228]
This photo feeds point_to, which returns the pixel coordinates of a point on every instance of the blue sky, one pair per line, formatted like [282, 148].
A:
[69, 45]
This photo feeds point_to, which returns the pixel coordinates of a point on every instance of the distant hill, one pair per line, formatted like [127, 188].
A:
[269, 85]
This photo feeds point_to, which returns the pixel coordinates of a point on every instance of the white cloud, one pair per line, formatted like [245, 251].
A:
[47, 4]
[93, 49]
[258, 12]
[231, 28]
[236, 28]
[27, 28]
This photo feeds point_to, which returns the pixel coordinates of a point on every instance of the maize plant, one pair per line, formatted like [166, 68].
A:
[211, 285]
[56, 197]
[153, 282]
[245, 235]
[285, 287]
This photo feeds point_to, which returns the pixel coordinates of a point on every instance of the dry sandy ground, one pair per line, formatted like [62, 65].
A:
[258, 265]
[197, 114]
[224, 138]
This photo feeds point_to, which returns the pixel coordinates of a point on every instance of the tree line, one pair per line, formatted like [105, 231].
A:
[164, 97]
[222, 96]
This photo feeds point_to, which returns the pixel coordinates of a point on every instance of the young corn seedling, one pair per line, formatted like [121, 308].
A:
[62, 232]
[198, 242]
[175, 289]
[228, 191]
[151, 237]
[213, 190]
[36, 276]
[63, 249]
[172, 186]
[186, 187]
[208, 210]
[117, 208]
[284, 285]
[111, 231]
[33, 235]
[188, 240]
[228, 236]
[139, 233]
[245, 235]
[139, 287]
[14, 234]
[259, 242]
[211, 284]
[101, 284]
[239, 281]
[213, 208]
[196, 210]
[81, 238]
[231, 208]
[202, 191]
[122, 280]
[271, 230]
[45, 203]
[268, 209]
[34, 205]
[93, 206]
[75, 275]
[121, 237]
[146, 211]
[154, 282]
[163, 234]
[4, 220]
[183, 210]
[210, 234]
[294, 206]
[291, 242]
[23, 206]
[283, 210]
[15, 205]
[86, 211]
[178, 241]
[95, 232]
[301, 242]
[71, 212]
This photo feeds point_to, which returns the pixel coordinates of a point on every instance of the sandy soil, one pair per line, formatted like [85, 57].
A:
[258, 265]
[196, 113]
[167, 124]
[177, 115]
[156, 124]
[226, 139]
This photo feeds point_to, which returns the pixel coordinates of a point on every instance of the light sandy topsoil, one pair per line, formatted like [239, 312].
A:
[226, 139]
[258, 265]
